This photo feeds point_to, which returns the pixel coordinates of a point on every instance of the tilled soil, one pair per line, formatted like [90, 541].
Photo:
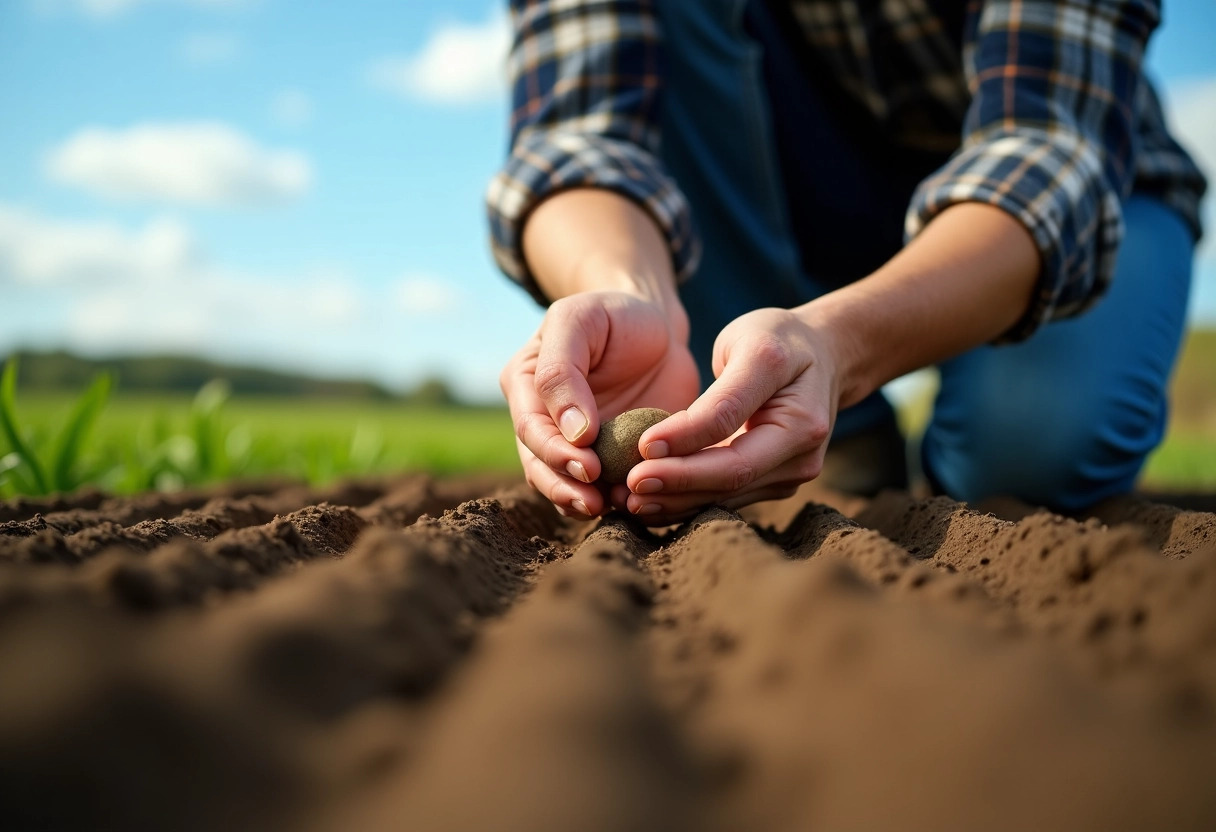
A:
[453, 655]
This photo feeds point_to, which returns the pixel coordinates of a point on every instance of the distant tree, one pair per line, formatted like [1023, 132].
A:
[183, 374]
[433, 392]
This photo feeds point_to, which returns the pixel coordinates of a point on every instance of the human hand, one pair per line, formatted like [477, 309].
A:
[757, 433]
[596, 355]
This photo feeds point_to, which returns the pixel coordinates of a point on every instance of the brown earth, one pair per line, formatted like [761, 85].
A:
[452, 655]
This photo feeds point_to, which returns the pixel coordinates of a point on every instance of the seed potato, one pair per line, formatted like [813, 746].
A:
[617, 443]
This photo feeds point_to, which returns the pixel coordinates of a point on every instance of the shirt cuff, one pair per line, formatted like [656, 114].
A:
[543, 164]
[1052, 183]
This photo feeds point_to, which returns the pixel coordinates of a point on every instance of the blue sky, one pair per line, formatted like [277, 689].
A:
[300, 184]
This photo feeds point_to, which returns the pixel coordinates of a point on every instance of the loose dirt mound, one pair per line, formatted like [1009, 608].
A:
[453, 655]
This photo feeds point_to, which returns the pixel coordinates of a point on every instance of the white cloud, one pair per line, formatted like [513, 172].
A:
[105, 9]
[101, 288]
[328, 296]
[153, 288]
[419, 295]
[291, 108]
[202, 163]
[461, 63]
[212, 310]
[35, 250]
[1191, 111]
[209, 49]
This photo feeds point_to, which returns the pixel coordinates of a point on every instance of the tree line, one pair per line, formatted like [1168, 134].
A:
[64, 371]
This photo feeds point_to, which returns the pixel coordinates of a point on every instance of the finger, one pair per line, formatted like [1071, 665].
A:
[720, 411]
[534, 427]
[726, 468]
[536, 431]
[572, 498]
[570, 336]
[619, 496]
[789, 474]
[773, 492]
[695, 504]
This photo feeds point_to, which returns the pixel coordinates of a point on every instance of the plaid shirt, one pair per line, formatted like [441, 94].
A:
[1046, 109]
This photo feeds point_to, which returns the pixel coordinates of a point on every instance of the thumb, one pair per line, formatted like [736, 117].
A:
[568, 342]
[716, 415]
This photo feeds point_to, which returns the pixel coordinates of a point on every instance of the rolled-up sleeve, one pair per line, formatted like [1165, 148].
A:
[586, 81]
[1050, 137]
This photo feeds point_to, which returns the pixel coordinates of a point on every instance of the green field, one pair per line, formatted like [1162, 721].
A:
[140, 442]
[1182, 463]
[133, 441]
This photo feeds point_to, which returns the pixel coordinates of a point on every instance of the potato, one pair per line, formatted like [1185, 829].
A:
[617, 443]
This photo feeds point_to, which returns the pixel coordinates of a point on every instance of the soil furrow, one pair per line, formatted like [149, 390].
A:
[578, 742]
[109, 722]
[273, 679]
[392, 654]
[156, 564]
[24, 508]
[75, 536]
[225, 545]
[1175, 532]
[847, 705]
[1101, 587]
[68, 515]
[392, 616]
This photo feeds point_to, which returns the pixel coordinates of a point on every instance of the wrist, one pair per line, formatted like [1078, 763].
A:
[836, 332]
[593, 240]
[601, 272]
[963, 281]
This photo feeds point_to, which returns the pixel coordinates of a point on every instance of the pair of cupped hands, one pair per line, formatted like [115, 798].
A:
[757, 432]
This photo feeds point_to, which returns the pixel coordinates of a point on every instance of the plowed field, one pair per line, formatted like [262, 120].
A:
[453, 655]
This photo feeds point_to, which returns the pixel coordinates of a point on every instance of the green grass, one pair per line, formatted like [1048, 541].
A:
[32, 467]
[1184, 462]
[141, 442]
[129, 443]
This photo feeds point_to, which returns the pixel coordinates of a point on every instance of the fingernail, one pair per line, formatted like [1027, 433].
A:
[649, 486]
[575, 469]
[572, 423]
[657, 450]
[561, 511]
[579, 506]
[649, 508]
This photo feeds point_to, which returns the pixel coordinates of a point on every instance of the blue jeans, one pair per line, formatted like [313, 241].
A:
[793, 198]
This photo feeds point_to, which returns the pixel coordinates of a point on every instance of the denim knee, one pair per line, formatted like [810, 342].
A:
[1062, 447]
[1068, 417]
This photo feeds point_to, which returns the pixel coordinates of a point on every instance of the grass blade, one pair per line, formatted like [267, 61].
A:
[8, 484]
[8, 425]
[80, 421]
[207, 429]
[18, 482]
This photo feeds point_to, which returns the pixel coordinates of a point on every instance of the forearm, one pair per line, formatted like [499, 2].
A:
[596, 240]
[963, 281]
